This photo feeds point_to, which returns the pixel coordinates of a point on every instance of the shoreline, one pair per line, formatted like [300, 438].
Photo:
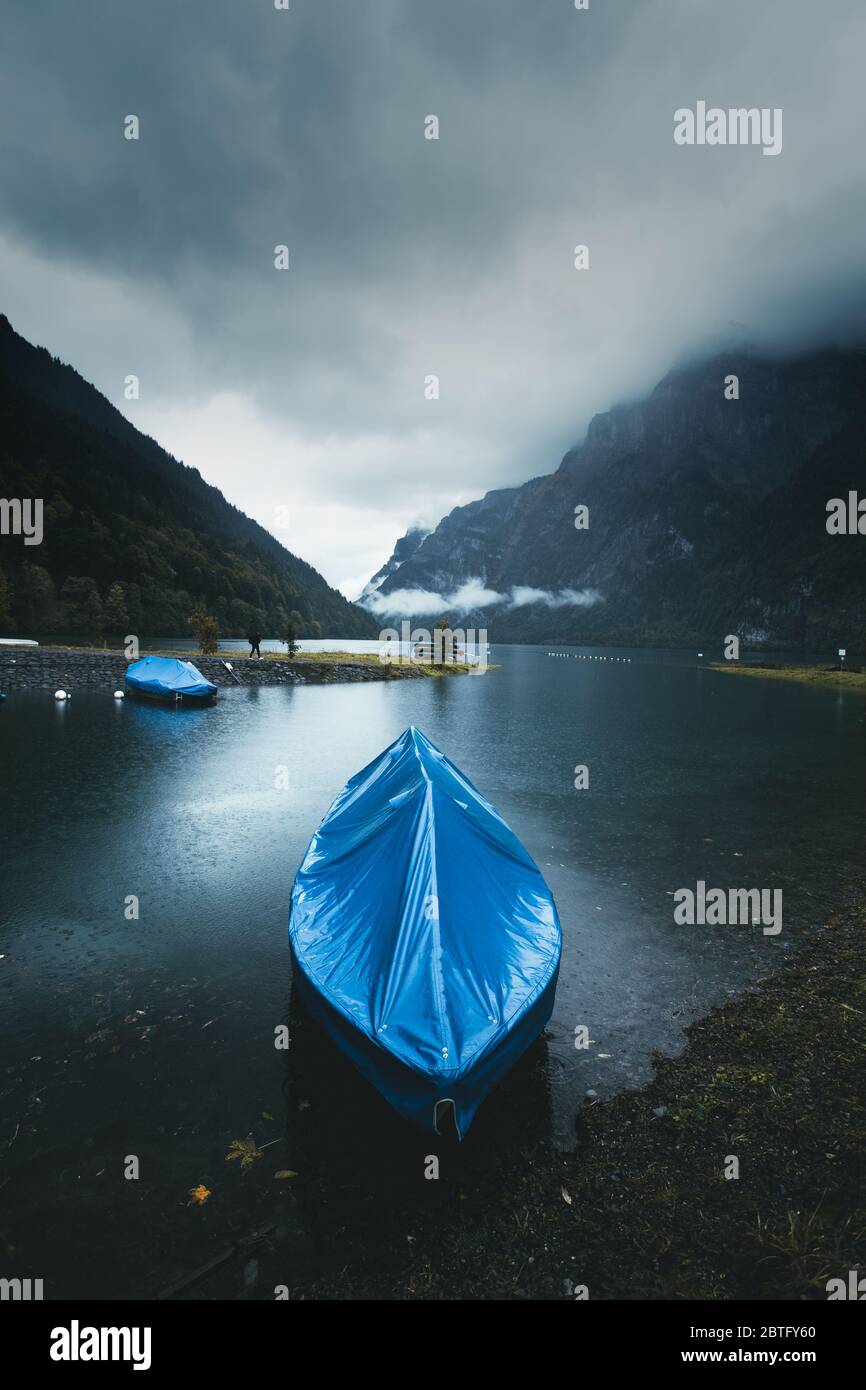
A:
[83, 668]
[642, 1209]
[805, 675]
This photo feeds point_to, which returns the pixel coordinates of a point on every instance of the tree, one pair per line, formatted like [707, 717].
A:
[206, 630]
[290, 637]
[245, 617]
[84, 615]
[446, 642]
[133, 606]
[5, 612]
[116, 615]
[34, 599]
[94, 619]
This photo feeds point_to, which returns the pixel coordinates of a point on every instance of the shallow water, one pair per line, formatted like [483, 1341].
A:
[154, 1036]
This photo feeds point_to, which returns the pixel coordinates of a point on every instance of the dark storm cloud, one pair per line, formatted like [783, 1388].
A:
[305, 127]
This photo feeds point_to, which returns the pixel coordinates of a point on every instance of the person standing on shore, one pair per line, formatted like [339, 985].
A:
[254, 645]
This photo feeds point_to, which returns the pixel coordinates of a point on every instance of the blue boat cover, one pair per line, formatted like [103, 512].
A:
[419, 919]
[164, 675]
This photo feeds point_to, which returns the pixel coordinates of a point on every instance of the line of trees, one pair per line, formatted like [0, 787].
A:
[32, 605]
[206, 631]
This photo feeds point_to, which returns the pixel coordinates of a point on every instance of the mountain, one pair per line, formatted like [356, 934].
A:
[406, 546]
[706, 516]
[133, 539]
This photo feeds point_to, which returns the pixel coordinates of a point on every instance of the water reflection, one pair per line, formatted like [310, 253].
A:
[158, 1032]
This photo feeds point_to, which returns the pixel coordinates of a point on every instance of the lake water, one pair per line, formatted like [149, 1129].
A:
[154, 1037]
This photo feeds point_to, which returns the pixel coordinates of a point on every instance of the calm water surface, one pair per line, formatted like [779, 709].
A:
[154, 1037]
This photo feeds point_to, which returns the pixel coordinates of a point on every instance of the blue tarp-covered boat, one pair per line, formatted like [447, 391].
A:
[424, 936]
[165, 678]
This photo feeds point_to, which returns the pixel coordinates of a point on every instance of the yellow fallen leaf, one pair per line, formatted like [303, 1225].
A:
[245, 1150]
[286, 1173]
[266, 1116]
[199, 1195]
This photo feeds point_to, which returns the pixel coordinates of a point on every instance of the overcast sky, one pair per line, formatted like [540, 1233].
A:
[305, 388]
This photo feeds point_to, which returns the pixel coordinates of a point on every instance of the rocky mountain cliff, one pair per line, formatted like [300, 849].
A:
[706, 516]
[406, 546]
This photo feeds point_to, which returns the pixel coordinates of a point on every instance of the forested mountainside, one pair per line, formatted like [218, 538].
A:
[133, 539]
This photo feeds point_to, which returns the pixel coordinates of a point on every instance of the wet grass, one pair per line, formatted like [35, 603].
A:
[835, 679]
[391, 669]
[394, 668]
[643, 1208]
[640, 1209]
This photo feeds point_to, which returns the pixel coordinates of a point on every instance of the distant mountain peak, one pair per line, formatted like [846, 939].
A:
[404, 548]
[705, 517]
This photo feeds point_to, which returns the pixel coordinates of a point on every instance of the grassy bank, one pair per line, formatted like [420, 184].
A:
[368, 660]
[371, 659]
[642, 1209]
[96, 668]
[809, 675]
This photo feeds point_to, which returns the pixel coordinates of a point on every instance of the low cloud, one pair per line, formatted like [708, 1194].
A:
[522, 595]
[307, 387]
[414, 603]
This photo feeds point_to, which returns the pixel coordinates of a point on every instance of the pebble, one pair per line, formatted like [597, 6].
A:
[41, 669]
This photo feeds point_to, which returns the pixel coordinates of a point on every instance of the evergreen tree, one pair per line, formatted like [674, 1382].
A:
[116, 615]
[290, 637]
[94, 618]
[446, 640]
[84, 616]
[33, 602]
[5, 608]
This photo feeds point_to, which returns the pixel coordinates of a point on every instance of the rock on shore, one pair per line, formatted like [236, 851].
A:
[46, 668]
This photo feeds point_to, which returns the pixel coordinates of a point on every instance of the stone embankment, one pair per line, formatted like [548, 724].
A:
[53, 668]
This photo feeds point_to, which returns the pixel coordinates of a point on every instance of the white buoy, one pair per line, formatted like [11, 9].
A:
[118, 695]
[60, 695]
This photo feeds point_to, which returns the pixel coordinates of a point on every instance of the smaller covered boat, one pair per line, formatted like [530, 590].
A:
[167, 679]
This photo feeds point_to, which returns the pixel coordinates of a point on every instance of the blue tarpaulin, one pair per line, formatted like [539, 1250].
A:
[165, 677]
[425, 937]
